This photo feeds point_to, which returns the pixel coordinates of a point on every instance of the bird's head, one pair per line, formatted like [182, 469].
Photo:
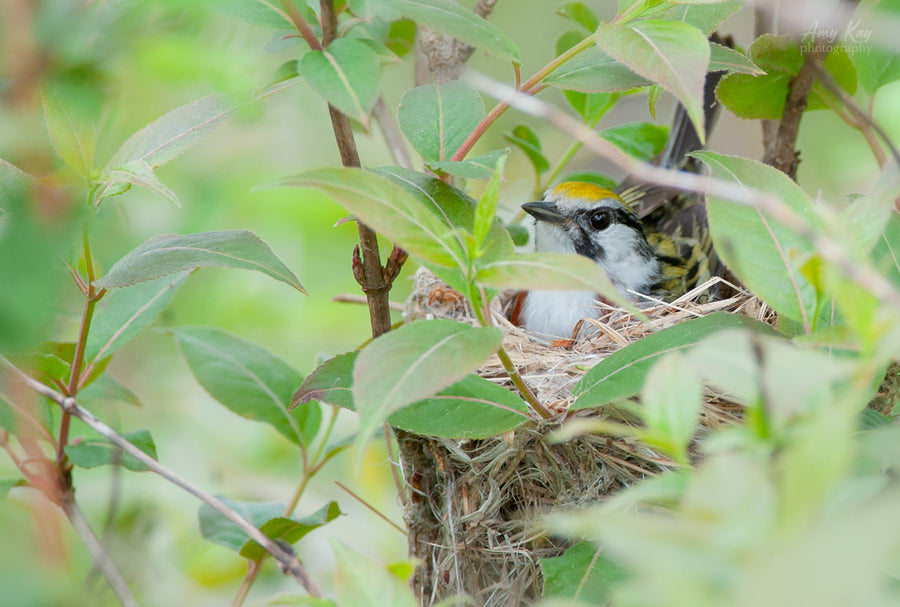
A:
[592, 221]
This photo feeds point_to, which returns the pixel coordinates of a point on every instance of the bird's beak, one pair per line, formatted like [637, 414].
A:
[544, 211]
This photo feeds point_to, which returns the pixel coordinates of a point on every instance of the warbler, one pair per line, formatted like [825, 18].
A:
[654, 244]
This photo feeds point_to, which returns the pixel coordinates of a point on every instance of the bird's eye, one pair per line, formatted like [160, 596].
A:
[600, 219]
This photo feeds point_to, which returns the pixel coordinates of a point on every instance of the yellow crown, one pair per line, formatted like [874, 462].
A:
[582, 190]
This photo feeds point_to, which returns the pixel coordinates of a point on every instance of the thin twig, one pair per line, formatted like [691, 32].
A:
[829, 248]
[301, 25]
[101, 557]
[289, 562]
[91, 298]
[865, 121]
[393, 465]
[370, 507]
[390, 130]
[361, 299]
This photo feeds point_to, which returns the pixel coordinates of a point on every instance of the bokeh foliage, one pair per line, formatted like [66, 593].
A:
[114, 111]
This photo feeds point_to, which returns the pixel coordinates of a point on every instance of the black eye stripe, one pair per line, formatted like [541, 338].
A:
[620, 216]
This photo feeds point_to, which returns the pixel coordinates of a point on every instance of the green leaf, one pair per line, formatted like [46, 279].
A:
[8, 416]
[595, 71]
[437, 119]
[300, 600]
[706, 17]
[471, 408]
[169, 136]
[754, 97]
[346, 75]
[876, 68]
[373, 9]
[580, 14]
[524, 138]
[107, 389]
[672, 54]
[360, 582]
[390, 210]
[13, 181]
[486, 211]
[643, 140]
[291, 530]
[763, 96]
[871, 420]
[248, 380]
[124, 312]
[453, 206]
[257, 13]
[653, 95]
[795, 380]
[866, 218]
[100, 452]
[722, 58]
[461, 23]
[478, 167]
[268, 517]
[330, 382]
[171, 253]
[591, 106]
[8, 483]
[73, 139]
[412, 363]
[139, 173]
[552, 271]
[886, 254]
[31, 246]
[583, 573]
[622, 374]
[761, 252]
[671, 396]
[518, 233]
[401, 38]
[51, 361]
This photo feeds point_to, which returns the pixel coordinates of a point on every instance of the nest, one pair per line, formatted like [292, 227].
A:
[475, 504]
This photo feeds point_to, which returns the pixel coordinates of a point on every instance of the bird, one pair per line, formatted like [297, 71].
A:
[653, 243]
[597, 223]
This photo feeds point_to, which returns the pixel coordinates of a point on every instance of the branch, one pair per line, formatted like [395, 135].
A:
[826, 246]
[283, 553]
[391, 132]
[101, 558]
[446, 55]
[782, 154]
[302, 26]
[370, 273]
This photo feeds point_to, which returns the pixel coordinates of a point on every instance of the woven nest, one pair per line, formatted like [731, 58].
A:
[476, 503]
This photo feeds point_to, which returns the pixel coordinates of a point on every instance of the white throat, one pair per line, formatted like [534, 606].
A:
[557, 312]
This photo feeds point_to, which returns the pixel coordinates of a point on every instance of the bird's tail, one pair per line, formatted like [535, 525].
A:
[683, 138]
[682, 216]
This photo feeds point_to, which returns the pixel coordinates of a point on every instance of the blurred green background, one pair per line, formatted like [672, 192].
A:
[122, 64]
